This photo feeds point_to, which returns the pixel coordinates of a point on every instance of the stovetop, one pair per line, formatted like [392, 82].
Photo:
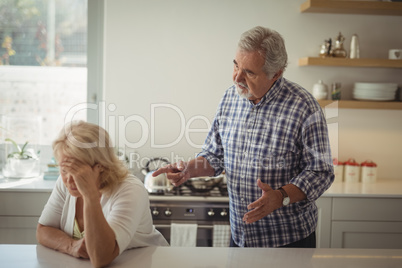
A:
[182, 192]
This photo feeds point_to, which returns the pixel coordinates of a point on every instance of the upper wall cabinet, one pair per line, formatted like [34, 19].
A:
[352, 7]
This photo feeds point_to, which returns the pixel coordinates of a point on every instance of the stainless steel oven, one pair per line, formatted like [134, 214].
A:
[205, 210]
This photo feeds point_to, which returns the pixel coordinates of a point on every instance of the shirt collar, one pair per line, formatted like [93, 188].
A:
[271, 92]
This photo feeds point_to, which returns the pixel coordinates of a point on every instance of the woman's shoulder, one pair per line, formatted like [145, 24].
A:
[131, 183]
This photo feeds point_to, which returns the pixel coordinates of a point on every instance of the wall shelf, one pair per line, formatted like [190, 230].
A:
[354, 104]
[381, 63]
[352, 7]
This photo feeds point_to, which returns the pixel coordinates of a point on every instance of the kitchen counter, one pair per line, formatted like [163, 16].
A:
[160, 257]
[382, 188]
[37, 184]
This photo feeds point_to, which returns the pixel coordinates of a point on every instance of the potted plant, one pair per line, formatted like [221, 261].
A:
[21, 162]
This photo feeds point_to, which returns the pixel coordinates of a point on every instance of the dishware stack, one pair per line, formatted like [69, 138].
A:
[375, 91]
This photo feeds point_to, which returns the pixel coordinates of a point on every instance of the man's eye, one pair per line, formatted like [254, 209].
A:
[251, 75]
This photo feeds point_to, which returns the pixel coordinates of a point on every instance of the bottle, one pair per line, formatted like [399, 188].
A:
[336, 91]
[354, 47]
[339, 51]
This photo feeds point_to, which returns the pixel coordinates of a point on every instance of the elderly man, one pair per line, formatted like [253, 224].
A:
[270, 136]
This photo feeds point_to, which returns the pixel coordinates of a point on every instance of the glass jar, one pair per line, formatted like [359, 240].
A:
[336, 91]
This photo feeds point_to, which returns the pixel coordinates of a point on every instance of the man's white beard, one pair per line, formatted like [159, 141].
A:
[243, 93]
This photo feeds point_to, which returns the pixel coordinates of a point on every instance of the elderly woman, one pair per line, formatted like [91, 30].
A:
[96, 210]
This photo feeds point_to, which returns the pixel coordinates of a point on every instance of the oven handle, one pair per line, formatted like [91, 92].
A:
[168, 226]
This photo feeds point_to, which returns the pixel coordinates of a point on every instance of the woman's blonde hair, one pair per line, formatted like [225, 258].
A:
[91, 144]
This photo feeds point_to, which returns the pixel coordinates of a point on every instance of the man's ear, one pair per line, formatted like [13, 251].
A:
[278, 74]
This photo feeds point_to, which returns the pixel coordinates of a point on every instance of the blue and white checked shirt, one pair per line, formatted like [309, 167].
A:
[283, 139]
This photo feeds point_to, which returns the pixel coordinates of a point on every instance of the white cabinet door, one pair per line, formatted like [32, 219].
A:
[18, 230]
[19, 215]
[323, 231]
[362, 234]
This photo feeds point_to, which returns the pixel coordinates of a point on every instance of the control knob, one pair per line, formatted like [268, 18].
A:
[155, 212]
[168, 213]
[211, 212]
[224, 213]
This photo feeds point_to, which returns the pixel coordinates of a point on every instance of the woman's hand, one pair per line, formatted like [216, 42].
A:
[78, 249]
[86, 178]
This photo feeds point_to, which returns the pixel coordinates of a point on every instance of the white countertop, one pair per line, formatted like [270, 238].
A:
[28, 256]
[37, 184]
[382, 188]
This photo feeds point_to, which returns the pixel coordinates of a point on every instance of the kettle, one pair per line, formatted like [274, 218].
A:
[159, 184]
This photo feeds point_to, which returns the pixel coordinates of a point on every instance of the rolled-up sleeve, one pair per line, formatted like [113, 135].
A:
[317, 173]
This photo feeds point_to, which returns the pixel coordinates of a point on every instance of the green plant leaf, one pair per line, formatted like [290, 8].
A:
[16, 145]
[23, 148]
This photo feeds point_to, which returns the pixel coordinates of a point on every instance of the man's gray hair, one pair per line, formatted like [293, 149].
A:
[269, 44]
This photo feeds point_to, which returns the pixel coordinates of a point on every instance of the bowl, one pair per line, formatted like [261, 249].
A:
[203, 184]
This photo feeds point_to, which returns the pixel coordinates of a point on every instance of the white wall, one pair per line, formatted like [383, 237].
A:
[180, 53]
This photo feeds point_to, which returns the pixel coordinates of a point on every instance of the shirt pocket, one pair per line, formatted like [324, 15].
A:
[285, 157]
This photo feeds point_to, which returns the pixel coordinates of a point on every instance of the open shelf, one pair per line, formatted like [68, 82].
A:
[352, 7]
[381, 63]
[354, 104]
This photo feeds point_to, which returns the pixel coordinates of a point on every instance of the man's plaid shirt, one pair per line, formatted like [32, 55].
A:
[283, 139]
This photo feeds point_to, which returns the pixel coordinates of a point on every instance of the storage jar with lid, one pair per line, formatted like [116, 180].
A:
[338, 170]
[320, 90]
[369, 171]
[352, 171]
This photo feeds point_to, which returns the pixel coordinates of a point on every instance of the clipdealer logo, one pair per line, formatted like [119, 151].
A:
[119, 124]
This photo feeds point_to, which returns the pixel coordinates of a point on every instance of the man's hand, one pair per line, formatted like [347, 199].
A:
[177, 173]
[269, 201]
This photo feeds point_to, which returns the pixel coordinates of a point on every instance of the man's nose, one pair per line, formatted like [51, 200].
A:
[238, 76]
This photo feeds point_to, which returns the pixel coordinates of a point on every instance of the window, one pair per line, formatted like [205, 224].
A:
[43, 61]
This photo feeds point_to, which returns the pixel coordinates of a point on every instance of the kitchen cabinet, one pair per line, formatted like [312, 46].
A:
[324, 222]
[366, 223]
[357, 222]
[352, 7]
[350, 215]
[19, 215]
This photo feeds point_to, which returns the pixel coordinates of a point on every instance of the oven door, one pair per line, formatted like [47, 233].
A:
[205, 231]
